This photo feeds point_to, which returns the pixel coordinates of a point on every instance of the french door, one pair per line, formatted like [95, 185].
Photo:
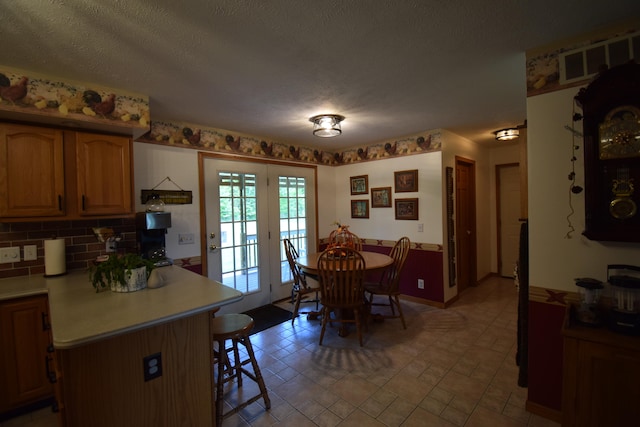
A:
[250, 207]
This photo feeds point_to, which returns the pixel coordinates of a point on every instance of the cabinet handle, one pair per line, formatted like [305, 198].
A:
[59, 202]
[83, 202]
[50, 348]
[50, 374]
[45, 322]
[55, 407]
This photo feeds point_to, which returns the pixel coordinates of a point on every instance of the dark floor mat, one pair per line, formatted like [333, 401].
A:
[267, 316]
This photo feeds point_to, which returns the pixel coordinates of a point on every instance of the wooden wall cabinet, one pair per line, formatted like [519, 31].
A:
[601, 377]
[25, 363]
[57, 174]
[104, 177]
[31, 171]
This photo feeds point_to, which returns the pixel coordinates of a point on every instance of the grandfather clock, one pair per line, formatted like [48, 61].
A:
[611, 128]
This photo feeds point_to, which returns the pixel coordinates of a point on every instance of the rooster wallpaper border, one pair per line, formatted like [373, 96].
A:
[188, 135]
[40, 96]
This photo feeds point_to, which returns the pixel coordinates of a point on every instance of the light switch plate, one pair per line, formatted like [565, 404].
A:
[185, 239]
[30, 252]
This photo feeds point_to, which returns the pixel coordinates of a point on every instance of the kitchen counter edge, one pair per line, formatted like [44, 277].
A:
[81, 316]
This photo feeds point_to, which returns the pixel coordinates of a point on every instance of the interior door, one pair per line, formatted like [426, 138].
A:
[508, 191]
[250, 208]
[465, 223]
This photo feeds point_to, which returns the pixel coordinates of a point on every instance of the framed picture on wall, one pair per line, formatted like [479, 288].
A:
[359, 209]
[407, 209]
[381, 197]
[359, 184]
[406, 181]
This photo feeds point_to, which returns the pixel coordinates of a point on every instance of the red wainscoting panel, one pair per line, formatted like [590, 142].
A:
[420, 264]
[545, 354]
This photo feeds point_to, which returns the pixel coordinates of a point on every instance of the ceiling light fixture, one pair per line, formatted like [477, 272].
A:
[507, 134]
[326, 125]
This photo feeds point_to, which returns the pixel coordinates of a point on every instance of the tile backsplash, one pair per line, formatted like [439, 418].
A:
[82, 246]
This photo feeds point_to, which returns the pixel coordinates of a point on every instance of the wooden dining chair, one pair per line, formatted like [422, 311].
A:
[300, 288]
[357, 244]
[341, 274]
[389, 283]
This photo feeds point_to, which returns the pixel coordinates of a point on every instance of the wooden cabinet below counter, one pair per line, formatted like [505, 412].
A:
[601, 376]
[25, 364]
[59, 174]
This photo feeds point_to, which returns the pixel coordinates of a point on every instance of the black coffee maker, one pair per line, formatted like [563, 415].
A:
[151, 228]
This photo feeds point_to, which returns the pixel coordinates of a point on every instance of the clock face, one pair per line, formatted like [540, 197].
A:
[619, 133]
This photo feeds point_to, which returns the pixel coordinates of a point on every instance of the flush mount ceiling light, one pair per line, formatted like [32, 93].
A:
[326, 125]
[507, 134]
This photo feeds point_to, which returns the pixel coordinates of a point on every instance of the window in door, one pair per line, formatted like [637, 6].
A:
[238, 231]
[293, 219]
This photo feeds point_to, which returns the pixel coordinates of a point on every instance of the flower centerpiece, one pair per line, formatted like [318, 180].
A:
[341, 236]
[121, 273]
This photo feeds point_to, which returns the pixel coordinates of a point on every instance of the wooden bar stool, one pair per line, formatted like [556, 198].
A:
[235, 327]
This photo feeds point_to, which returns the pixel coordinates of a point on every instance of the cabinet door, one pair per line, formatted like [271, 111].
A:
[31, 171]
[607, 385]
[104, 174]
[23, 359]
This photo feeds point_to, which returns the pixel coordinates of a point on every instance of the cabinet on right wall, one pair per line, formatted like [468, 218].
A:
[601, 376]
[54, 174]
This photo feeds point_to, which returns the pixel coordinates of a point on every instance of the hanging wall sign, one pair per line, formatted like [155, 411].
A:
[169, 197]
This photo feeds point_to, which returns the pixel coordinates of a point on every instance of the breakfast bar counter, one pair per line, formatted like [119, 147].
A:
[80, 316]
[130, 359]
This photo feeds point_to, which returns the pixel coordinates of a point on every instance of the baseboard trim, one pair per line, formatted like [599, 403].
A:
[423, 301]
[543, 411]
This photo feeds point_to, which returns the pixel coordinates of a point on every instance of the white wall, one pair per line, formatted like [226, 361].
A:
[153, 163]
[381, 223]
[326, 200]
[555, 259]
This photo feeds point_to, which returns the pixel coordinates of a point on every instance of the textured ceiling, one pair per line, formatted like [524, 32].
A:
[393, 68]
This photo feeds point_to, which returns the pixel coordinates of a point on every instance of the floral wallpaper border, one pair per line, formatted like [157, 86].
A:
[543, 69]
[29, 93]
[34, 95]
[202, 138]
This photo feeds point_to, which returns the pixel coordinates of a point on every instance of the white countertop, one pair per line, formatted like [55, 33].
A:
[79, 315]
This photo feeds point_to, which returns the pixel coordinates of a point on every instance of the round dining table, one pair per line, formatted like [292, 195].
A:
[372, 260]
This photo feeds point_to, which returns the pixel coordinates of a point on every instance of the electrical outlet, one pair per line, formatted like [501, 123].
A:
[30, 252]
[420, 228]
[420, 283]
[152, 366]
[8, 255]
[185, 239]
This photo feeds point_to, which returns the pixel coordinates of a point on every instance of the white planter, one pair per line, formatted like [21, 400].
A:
[136, 280]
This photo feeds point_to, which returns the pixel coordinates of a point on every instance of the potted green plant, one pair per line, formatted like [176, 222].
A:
[121, 273]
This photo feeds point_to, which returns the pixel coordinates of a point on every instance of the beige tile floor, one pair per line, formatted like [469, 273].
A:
[453, 367]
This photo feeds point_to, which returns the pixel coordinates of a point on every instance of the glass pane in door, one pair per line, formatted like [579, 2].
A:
[293, 221]
[238, 231]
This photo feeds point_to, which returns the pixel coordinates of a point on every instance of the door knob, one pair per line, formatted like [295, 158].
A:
[212, 247]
